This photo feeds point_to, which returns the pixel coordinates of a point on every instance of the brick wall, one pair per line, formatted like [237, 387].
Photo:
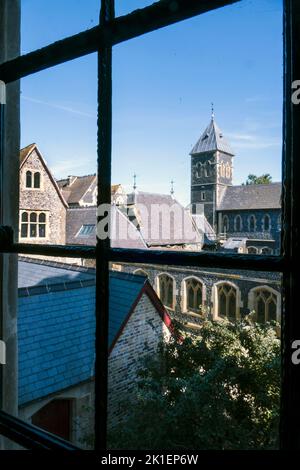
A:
[140, 338]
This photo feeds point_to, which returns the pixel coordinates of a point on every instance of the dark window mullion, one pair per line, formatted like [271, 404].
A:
[103, 245]
[290, 410]
[139, 22]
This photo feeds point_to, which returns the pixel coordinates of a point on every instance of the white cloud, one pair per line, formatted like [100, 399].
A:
[58, 106]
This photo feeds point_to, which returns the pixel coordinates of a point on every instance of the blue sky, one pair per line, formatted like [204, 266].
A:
[163, 84]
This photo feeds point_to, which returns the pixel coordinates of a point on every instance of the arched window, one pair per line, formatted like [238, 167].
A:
[166, 290]
[24, 225]
[141, 272]
[266, 250]
[42, 225]
[28, 179]
[194, 295]
[252, 223]
[265, 305]
[225, 223]
[266, 223]
[252, 250]
[227, 301]
[37, 180]
[238, 223]
[228, 171]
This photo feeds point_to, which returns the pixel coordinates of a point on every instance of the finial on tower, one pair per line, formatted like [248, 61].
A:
[134, 182]
[172, 188]
[212, 111]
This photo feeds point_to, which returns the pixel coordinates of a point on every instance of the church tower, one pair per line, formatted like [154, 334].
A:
[211, 171]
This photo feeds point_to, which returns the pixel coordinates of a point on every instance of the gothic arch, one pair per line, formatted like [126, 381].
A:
[252, 300]
[216, 300]
[266, 223]
[141, 272]
[225, 223]
[165, 287]
[252, 223]
[238, 223]
[184, 293]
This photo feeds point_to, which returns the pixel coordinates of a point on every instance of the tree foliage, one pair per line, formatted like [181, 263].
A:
[263, 179]
[216, 390]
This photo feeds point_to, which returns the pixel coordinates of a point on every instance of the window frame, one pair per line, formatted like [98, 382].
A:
[101, 39]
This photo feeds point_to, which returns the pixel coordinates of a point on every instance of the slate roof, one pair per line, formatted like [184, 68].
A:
[181, 230]
[251, 196]
[75, 188]
[211, 140]
[56, 329]
[33, 272]
[120, 226]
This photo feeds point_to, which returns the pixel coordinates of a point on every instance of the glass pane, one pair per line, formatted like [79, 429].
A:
[59, 148]
[217, 387]
[199, 165]
[46, 22]
[56, 341]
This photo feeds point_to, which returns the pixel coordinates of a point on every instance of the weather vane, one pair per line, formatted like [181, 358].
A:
[134, 182]
[172, 188]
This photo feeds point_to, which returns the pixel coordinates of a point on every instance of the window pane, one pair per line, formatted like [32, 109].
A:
[227, 348]
[45, 22]
[56, 337]
[37, 180]
[180, 150]
[24, 230]
[24, 217]
[59, 147]
[33, 230]
[28, 179]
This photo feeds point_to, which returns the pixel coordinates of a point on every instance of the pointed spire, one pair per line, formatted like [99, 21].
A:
[172, 188]
[134, 182]
[212, 112]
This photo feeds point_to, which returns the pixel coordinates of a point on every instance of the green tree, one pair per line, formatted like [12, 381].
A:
[263, 179]
[216, 390]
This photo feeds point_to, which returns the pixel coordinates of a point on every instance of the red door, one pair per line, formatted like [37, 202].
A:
[55, 417]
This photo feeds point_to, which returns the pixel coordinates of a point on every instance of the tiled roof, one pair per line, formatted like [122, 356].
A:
[75, 188]
[211, 140]
[251, 196]
[56, 331]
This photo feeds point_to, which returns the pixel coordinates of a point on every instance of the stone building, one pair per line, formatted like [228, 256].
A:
[249, 214]
[56, 330]
[42, 206]
[243, 219]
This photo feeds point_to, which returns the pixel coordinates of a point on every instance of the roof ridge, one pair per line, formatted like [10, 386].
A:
[57, 264]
